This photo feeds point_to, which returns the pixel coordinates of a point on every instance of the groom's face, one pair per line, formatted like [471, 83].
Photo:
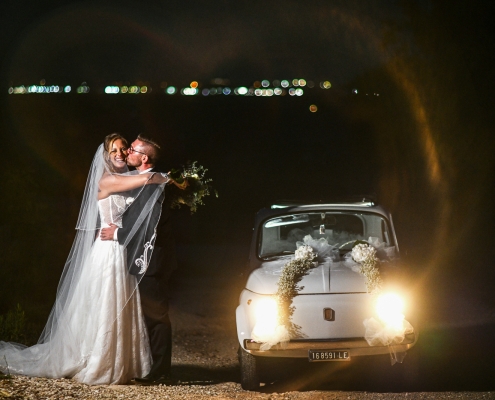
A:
[135, 158]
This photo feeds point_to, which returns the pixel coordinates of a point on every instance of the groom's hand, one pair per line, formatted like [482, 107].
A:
[107, 233]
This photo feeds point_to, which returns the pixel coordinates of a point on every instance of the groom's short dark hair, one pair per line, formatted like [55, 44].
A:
[152, 147]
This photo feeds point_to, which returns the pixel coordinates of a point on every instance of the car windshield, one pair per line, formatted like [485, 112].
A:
[279, 235]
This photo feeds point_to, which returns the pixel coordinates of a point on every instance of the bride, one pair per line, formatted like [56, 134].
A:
[95, 332]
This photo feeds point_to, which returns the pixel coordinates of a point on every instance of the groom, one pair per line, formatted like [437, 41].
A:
[143, 154]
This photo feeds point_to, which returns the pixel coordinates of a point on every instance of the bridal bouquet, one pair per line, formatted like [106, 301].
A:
[198, 186]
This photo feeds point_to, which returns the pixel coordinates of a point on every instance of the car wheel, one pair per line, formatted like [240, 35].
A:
[250, 379]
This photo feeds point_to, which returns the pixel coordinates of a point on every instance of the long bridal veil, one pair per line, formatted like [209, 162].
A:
[60, 337]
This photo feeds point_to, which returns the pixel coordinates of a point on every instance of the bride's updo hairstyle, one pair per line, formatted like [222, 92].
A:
[107, 145]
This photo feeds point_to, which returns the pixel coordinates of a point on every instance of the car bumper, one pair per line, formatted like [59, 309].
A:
[356, 346]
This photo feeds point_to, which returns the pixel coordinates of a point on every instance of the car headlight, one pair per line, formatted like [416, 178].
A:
[266, 314]
[390, 309]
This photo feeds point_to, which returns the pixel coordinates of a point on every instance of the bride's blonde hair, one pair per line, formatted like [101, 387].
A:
[109, 139]
[107, 145]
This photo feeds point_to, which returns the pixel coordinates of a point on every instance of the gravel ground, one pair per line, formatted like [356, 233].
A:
[205, 349]
[38, 388]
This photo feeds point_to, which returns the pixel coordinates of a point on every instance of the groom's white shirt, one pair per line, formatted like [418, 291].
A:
[140, 172]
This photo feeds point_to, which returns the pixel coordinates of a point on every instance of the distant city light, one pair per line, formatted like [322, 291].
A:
[313, 108]
[242, 90]
[354, 91]
[112, 90]
[83, 88]
[259, 88]
[17, 90]
[325, 85]
[189, 91]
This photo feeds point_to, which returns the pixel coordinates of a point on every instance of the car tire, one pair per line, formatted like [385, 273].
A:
[250, 379]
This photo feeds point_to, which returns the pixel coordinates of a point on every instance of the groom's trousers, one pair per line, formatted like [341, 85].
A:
[154, 300]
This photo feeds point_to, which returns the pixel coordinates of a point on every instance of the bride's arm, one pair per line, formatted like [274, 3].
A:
[121, 183]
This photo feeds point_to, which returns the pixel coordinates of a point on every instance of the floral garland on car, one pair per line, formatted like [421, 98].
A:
[378, 333]
[292, 273]
[198, 186]
[365, 255]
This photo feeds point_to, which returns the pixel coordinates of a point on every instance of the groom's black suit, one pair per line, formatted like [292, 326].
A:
[153, 286]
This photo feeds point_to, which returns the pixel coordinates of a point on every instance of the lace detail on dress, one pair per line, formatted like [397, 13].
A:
[112, 208]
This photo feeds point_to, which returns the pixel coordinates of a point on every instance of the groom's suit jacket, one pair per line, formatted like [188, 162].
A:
[163, 260]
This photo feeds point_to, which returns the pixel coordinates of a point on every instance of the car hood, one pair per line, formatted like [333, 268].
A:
[326, 277]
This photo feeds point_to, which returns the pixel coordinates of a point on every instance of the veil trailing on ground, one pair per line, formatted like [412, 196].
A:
[138, 247]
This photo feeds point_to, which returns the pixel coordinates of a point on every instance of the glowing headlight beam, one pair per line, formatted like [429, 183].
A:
[390, 308]
[266, 314]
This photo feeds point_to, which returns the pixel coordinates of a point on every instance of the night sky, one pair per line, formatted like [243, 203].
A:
[424, 146]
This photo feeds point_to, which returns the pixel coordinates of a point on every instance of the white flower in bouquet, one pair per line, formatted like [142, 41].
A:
[363, 252]
[305, 252]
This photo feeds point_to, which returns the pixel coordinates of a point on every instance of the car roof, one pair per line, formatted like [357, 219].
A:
[281, 208]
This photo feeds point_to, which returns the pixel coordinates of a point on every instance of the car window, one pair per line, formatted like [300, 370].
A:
[280, 235]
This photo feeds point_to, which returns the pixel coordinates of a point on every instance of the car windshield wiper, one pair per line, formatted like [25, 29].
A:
[278, 254]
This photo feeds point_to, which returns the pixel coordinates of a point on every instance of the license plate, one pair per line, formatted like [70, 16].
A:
[325, 355]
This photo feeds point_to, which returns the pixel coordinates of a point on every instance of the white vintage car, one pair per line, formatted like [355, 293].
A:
[333, 300]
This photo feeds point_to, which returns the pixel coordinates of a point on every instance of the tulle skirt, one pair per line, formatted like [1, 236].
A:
[99, 336]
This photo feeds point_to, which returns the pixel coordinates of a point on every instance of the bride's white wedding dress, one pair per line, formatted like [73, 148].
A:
[98, 338]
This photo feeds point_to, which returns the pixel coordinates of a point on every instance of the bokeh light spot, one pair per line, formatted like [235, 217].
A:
[325, 85]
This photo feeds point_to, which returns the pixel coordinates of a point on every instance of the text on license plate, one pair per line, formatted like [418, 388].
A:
[325, 355]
